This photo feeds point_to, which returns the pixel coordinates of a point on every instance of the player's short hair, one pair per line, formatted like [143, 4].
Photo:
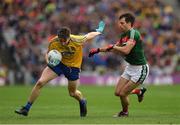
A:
[128, 18]
[64, 33]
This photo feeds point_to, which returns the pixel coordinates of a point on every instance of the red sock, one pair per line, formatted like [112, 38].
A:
[125, 109]
[136, 91]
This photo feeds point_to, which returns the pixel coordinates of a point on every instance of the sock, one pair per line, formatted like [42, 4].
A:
[28, 106]
[136, 91]
[82, 101]
[125, 109]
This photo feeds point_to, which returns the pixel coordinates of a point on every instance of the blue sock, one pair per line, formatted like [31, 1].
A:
[28, 105]
[82, 101]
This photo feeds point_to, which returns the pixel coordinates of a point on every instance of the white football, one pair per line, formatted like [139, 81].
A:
[54, 57]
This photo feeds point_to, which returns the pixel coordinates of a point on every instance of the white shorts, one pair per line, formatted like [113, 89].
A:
[136, 73]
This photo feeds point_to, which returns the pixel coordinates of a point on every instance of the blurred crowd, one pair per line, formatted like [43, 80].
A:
[27, 25]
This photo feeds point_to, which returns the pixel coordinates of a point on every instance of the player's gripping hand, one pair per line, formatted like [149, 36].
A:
[109, 47]
[101, 27]
[93, 51]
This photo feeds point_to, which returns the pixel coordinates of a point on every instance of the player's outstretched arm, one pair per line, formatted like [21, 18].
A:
[91, 35]
[125, 49]
[99, 30]
[94, 51]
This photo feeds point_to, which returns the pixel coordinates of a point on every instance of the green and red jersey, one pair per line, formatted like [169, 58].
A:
[136, 56]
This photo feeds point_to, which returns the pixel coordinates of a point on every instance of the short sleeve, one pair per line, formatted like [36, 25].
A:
[80, 39]
[134, 35]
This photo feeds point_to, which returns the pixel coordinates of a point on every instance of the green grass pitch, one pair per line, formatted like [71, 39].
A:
[54, 106]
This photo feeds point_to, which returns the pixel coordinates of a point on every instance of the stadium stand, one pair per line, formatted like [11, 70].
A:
[26, 26]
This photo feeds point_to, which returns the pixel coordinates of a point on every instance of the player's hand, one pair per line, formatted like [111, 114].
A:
[100, 27]
[109, 47]
[93, 51]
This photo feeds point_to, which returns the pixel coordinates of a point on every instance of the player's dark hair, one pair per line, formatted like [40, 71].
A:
[64, 33]
[128, 18]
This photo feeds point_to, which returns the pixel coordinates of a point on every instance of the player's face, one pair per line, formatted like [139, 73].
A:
[64, 41]
[122, 25]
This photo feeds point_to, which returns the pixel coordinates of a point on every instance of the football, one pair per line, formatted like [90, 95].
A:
[54, 57]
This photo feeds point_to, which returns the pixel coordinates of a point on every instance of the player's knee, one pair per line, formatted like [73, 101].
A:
[40, 84]
[72, 94]
[116, 94]
[122, 94]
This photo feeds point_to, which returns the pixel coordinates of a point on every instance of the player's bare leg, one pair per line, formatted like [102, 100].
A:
[119, 87]
[124, 92]
[124, 97]
[73, 92]
[46, 76]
